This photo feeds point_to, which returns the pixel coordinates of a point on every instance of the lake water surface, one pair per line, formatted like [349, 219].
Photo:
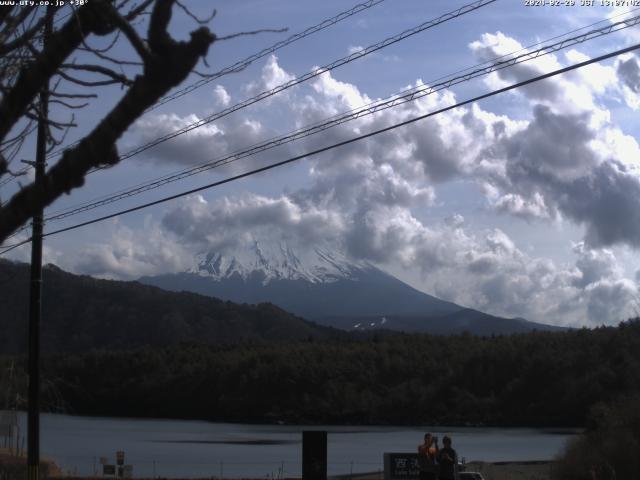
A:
[179, 448]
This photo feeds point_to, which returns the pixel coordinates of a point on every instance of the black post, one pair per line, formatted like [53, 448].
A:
[314, 455]
[35, 290]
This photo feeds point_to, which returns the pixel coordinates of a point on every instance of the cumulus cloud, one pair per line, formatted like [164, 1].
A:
[570, 161]
[23, 253]
[609, 299]
[485, 270]
[204, 144]
[494, 275]
[628, 71]
[530, 208]
[272, 75]
[594, 265]
[221, 97]
[128, 253]
[566, 161]
[219, 224]
[492, 46]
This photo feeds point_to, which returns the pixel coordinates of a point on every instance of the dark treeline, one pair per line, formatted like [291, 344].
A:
[536, 379]
[610, 446]
[83, 313]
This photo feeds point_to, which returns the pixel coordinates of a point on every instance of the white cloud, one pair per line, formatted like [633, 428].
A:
[566, 162]
[219, 224]
[207, 143]
[126, 253]
[485, 270]
[221, 97]
[272, 75]
[628, 72]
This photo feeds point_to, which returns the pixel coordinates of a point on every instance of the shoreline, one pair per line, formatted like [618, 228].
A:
[436, 426]
[502, 470]
[523, 470]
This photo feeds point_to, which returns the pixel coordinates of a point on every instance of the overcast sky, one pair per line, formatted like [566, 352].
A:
[526, 204]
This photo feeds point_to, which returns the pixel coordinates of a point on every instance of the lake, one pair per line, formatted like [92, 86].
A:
[179, 448]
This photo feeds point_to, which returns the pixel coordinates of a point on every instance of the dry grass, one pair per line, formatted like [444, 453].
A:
[490, 471]
[10, 458]
[513, 470]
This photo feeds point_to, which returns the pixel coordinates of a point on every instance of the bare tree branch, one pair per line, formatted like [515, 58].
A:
[25, 37]
[167, 65]
[5, 13]
[57, 142]
[71, 106]
[138, 10]
[60, 45]
[72, 95]
[25, 130]
[11, 24]
[115, 76]
[131, 34]
[115, 39]
[253, 32]
[48, 121]
[111, 59]
[203, 21]
[87, 83]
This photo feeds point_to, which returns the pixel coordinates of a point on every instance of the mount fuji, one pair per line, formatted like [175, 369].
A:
[323, 285]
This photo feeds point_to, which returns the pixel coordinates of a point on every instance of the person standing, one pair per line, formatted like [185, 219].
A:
[427, 455]
[447, 459]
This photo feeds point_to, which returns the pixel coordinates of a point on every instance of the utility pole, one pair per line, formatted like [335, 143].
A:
[35, 286]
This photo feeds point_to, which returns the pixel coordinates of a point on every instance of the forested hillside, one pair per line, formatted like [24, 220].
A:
[82, 313]
[536, 379]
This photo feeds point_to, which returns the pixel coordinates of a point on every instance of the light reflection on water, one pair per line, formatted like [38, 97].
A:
[182, 448]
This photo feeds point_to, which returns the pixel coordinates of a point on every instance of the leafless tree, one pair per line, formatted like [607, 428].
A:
[70, 70]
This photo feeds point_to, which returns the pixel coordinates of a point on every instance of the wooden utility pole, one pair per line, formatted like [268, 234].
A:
[314, 455]
[35, 286]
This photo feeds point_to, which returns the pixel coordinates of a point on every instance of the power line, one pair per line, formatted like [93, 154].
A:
[312, 74]
[320, 26]
[342, 61]
[11, 177]
[339, 144]
[308, 76]
[370, 109]
[244, 63]
[510, 56]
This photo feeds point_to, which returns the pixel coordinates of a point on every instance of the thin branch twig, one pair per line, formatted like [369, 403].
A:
[253, 32]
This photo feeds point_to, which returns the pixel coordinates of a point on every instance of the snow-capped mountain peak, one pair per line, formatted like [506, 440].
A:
[278, 261]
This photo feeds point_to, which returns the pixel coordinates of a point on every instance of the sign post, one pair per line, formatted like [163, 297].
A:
[401, 466]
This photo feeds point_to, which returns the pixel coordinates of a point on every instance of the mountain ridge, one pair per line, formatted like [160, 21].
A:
[81, 313]
[325, 286]
[277, 261]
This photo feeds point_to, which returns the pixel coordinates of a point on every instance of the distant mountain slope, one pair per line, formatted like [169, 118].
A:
[368, 291]
[325, 286]
[81, 313]
[465, 320]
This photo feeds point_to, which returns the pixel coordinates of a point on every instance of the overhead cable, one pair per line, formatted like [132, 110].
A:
[244, 63]
[312, 74]
[370, 109]
[339, 144]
